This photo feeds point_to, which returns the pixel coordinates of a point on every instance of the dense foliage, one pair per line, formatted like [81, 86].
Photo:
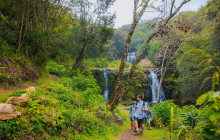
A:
[40, 30]
[189, 121]
[59, 36]
[69, 109]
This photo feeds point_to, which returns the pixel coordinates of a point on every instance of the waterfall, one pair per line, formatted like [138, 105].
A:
[106, 91]
[131, 57]
[154, 83]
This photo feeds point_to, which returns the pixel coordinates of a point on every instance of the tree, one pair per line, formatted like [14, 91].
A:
[139, 9]
[94, 29]
[171, 50]
[173, 42]
[31, 23]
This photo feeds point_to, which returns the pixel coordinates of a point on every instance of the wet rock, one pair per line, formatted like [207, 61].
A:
[21, 100]
[7, 112]
[30, 89]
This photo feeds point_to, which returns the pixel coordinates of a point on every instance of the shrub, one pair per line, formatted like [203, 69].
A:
[161, 113]
[209, 121]
[55, 68]
[116, 64]
[190, 115]
[95, 63]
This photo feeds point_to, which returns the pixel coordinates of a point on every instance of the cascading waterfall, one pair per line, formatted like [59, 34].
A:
[106, 91]
[131, 57]
[154, 83]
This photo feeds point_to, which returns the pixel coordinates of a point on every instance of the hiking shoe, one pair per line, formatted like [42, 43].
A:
[149, 129]
[137, 133]
[141, 133]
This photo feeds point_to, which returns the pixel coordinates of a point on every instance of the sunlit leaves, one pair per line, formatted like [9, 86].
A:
[202, 99]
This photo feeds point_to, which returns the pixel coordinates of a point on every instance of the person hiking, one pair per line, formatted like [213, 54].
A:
[131, 115]
[139, 114]
[149, 117]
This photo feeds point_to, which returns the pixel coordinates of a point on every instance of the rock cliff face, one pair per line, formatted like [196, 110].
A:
[138, 84]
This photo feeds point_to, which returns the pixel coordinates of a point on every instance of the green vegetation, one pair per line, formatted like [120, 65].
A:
[189, 122]
[57, 69]
[70, 109]
[38, 37]
[93, 63]
[5, 96]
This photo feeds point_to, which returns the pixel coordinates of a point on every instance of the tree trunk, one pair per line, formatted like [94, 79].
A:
[114, 100]
[22, 21]
[117, 95]
[167, 65]
[26, 23]
[162, 75]
[159, 88]
[79, 58]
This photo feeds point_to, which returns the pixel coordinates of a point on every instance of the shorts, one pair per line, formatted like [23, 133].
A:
[149, 120]
[132, 118]
[140, 121]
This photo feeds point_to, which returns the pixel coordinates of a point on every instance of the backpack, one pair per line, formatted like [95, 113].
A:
[143, 104]
[148, 112]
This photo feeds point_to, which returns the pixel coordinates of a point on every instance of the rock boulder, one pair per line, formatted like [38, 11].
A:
[21, 100]
[30, 89]
[7, 112]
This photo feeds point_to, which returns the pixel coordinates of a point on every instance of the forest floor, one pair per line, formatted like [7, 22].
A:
[128, 134]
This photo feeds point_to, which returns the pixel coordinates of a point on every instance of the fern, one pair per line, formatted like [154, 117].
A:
[210, 67]
[194, 51]
[203, 83]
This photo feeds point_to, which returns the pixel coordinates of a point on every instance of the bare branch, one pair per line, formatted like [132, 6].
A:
[135, 9]
[180, 46]
[161, 71]
[142, 10]
[172, 5]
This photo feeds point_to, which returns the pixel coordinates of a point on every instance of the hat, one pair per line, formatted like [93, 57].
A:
[134, 102]
[139, 96]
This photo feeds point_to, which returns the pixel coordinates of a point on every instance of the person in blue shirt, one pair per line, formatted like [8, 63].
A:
[139, 113]
[149, 117]
[131, 115]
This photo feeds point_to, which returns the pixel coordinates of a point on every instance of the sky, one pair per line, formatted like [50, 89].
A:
[124, 10]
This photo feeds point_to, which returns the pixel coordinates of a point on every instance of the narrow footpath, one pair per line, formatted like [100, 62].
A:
[154, 134]
[6, 90]
[129, 135]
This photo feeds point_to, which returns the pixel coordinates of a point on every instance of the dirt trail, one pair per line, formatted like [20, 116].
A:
[130, 135]
[5, 90]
